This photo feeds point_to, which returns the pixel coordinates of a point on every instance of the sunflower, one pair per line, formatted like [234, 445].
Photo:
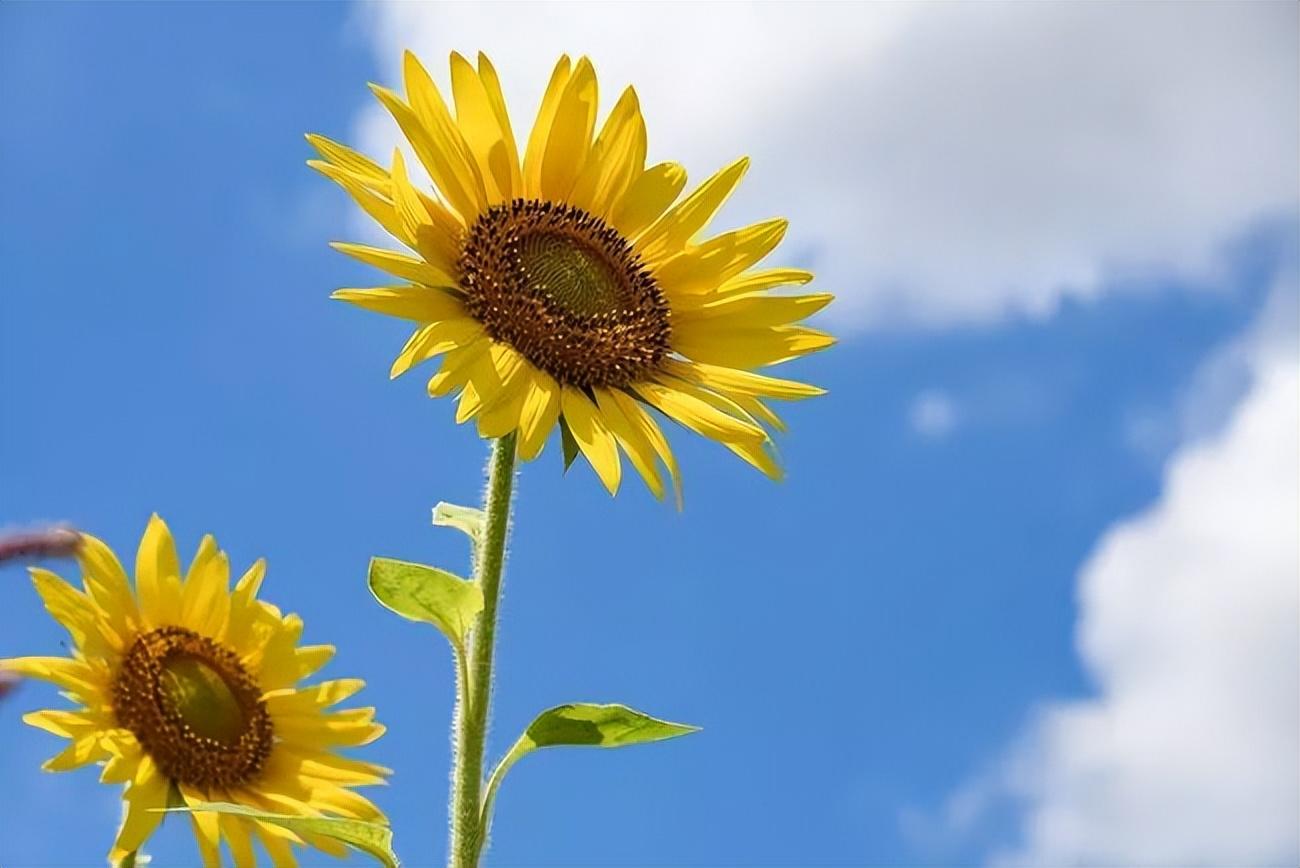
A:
[187, 694]
[570, 287]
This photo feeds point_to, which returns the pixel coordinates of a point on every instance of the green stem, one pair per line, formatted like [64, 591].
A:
[467, 835]
[127, 861]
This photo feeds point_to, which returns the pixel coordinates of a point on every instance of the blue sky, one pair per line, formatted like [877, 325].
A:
[859, 642]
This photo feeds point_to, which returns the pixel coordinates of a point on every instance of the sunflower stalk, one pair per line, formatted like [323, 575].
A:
[472, 711]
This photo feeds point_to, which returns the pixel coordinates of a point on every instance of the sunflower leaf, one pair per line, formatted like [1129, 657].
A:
[585, 724]
[599, 726]
[569, 443]
[427, 594]
[466, 519]
[374, 839]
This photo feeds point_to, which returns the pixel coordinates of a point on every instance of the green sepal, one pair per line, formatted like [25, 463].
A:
[374, 839]
[466, 519]
[427, 594]
[569, 443]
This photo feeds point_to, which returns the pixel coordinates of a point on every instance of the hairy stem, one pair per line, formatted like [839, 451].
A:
[472, 712]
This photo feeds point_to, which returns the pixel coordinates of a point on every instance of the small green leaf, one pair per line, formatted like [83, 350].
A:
[374, 839]
[599, 726]
[427, 594]
[580, 723]
[464, 518]
[569, 443]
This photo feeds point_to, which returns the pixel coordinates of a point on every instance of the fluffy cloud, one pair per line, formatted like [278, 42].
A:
[941, 163]
[1189, 624]
[932, 414]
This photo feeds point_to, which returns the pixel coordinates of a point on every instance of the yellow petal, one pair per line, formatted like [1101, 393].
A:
[479, 122]
[68, 673]
[746, 347]
[593, 436]
[757, 455]
[492, 87]
[107, 583]
[346, 158]
[405, 267]
[766, 278]
[502, 415]
[433, 339]
[380, 208]
[411, 213]
[671, 232]
[277, 846]
[447, 168]
[465, 177]
[633, 441]
[143, 797]
[236, 832]
[156, 561]
[756, 310]
[313, 698]
[638, 417]
[311, 658]
[697, 415]
[570, 138]
[647, 198]
[454, 370]
[704, 268]
[541, 410]
[205, 602]
[419, 303]
[70, 607]
[541, 131]
[617, 157]
[207, 828]
[743, 382]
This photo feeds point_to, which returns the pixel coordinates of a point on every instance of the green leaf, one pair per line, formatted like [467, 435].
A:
[580, 723]
[464, 518]
[427, 594]
[599, 726]
[374, 839]
[569, 443]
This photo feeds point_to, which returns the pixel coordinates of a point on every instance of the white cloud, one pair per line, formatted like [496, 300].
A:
[941, 163]
[1189, 624]
[932, 414]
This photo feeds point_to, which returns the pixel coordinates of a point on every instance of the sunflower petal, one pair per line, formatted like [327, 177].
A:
[697, 415]
[593, 436]
[418, 303]
[480, 123]
[678, 225]
[617, 157]
[346, 158]
[638, 417]
[746, 347]
[540, 412]
[702, 269]
[569, 141]
[401, 265]
[633, 441]
[647, 198]
[541, 132]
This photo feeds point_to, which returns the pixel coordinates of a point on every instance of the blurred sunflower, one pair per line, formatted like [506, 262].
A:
[187, 693]
[570, 287]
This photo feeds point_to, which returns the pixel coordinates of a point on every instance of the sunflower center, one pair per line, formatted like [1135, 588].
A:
[202, 698]
[567, 291]
[193, 707]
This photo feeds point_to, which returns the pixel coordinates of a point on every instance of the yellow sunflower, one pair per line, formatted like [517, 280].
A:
[571, 286]
[187, 694]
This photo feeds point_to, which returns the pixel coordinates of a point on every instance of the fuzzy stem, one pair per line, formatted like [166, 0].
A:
[472, 714]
